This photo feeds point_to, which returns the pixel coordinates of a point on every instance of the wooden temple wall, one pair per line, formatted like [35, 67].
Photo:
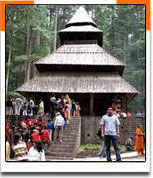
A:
[90, 125]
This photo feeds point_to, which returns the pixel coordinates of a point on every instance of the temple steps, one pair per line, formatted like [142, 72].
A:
[66, 150]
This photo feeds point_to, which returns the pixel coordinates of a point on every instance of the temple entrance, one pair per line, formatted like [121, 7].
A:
[101, 103]
[91, 104]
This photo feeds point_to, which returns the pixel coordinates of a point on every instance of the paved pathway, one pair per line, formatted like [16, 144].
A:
[130, 156]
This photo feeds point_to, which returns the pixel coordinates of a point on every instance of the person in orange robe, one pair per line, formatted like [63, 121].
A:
[139, 140]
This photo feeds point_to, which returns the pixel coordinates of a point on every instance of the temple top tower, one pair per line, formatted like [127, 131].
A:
[81, 29]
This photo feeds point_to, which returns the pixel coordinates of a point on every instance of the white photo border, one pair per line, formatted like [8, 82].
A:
[75, 166]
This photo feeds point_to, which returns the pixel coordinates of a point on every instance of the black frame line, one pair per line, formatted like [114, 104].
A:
[79, 161]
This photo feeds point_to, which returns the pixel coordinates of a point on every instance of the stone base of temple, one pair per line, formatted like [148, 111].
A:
[90, 125]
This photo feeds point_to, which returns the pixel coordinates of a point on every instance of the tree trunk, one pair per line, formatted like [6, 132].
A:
[8, 70]
[37, 41]
[25, 71]
[30, 42]
[124, 48]
[55, 27]
[27, 39]
[28, 48]
[28, 70]
[51, 28]
[33, 71]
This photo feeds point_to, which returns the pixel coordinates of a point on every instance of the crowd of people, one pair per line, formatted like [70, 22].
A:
[27, 106]
[20, 106]
[120, 113]
[23, 137]
[26, 139]
[140, 114]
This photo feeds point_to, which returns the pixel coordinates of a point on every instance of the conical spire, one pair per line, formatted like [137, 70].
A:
[81, 17]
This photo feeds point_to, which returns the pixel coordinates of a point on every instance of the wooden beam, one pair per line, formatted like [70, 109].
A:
[91, 103]
[124, 103]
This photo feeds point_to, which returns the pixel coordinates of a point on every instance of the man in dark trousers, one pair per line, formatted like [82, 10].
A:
[110, 132]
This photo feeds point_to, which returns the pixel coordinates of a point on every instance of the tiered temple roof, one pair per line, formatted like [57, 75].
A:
[77, 57]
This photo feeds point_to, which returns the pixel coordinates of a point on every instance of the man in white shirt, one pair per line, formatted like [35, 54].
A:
[58, 125]
[110, 132]
[36, 152]
[18, 104]
[32, 105]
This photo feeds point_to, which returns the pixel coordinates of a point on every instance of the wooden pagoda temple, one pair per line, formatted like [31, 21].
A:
[81, 68]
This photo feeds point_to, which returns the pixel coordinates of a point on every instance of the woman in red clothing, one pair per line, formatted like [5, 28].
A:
[7, 131]
[35, 136]
[45, 138]
[67, 112]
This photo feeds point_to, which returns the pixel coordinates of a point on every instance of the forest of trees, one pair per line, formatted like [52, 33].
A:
[31, 33]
